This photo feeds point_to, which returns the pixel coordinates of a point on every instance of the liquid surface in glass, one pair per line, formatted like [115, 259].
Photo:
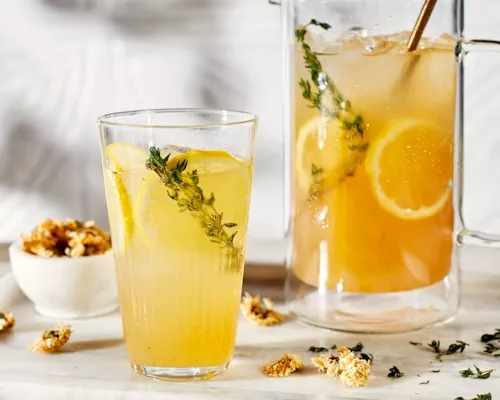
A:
[372, 196]
[179, 297]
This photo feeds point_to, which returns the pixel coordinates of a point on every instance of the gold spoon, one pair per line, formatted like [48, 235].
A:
[416, 35]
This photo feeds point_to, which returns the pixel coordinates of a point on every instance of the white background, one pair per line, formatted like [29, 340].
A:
[63, 62]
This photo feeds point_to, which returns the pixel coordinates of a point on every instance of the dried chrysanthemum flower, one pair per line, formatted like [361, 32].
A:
[72, 238]
[346, 357]
[259, 312]
[355, 373]
[351, 370]
[7, 320]
[53, 339]
[284, 366]
[327, 364]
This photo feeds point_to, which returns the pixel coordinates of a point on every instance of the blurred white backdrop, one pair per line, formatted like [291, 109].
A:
[64, 62]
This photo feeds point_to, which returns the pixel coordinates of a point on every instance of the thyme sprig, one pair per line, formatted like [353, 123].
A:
[395, 373]
[321, 84]
[359, 346]
[477, 374]
[323, 94]
[183, 187]
[485, 396]
[488, 337]
[458, 346]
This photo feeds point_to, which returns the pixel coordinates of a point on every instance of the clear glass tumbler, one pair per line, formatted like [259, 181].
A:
[178, 191]
[374, 156]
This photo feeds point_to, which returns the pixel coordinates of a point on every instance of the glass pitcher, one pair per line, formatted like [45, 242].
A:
[374, 143]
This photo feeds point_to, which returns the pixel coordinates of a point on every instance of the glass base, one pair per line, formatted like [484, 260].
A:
[373, 313]
[180, 374]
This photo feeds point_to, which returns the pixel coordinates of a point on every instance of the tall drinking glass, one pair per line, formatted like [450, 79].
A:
[178, 192]
[375, 143]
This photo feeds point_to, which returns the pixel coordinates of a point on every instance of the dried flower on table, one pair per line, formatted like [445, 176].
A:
[284, 366]
[395, 373]
[355, 373]
[52, 340]
[7, 321]
[259, 312]
[70, 238]
[327, 364]
[477, 374]
[351, 370]
[424, 383]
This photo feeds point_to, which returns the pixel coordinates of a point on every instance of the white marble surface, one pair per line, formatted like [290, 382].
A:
[94, 363]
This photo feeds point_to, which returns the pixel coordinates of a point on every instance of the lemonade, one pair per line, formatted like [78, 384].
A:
[373, 164]
[178, 229]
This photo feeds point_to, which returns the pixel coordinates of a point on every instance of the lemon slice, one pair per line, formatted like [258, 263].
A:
[410, 166]
[123, 159]
[159, 219]
[325, 147]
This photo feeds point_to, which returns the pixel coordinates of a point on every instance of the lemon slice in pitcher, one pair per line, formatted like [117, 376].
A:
[123, 159]
[163, 224]
[410, 166]
[326, 151]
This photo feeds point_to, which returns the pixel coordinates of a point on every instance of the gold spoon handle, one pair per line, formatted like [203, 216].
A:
[419, 27]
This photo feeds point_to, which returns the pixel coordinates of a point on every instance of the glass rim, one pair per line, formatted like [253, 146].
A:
[246, 118]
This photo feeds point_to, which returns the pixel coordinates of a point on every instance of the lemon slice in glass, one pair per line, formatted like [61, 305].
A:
[325, 147]
[163, 225]
[124, 159]
[410, 167]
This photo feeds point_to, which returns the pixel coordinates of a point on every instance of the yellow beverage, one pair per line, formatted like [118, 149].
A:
[179, 283]
[372, 206]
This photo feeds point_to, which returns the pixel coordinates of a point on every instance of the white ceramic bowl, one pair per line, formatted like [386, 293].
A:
[66, 287]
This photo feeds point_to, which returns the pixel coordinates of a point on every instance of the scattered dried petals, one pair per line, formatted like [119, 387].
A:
[351, 370]
[259, 312]
[70, 238]
[356, 373]
[284, 366]
[52, 340]
[7, 321]
[327, 364]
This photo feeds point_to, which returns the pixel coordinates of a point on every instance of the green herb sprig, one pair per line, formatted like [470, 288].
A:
[486, 396]
[320, 90]
[316, 349]
[321, 84]
[424, 383]
[359, 346]
[367, 357]
[395, 373]
[458, 346]
[477, 374]
[492, 349]
[183, 187]
[488, 337]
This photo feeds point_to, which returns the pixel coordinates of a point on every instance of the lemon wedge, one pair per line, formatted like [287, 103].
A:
[161, 223]
[325, 149]
[410, 167]
[123, 159]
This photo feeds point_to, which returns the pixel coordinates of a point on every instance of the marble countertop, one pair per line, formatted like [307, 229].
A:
[94, 363]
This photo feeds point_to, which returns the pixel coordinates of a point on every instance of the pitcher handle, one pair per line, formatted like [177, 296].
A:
[463, 234]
